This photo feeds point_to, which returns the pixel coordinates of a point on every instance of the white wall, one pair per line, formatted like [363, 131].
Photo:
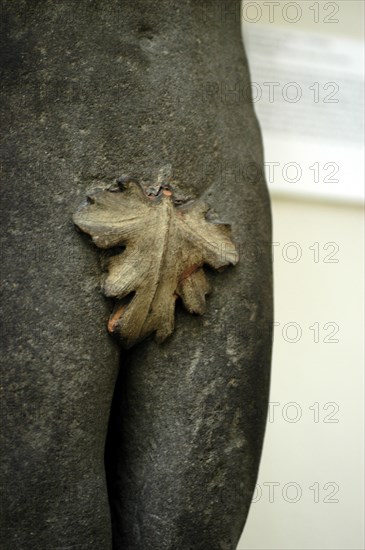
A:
[310, 488]
[315, 429]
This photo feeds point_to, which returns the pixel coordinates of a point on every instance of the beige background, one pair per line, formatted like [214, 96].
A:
[310, 487]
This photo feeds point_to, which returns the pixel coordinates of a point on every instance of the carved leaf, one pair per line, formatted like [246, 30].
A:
[166, 247]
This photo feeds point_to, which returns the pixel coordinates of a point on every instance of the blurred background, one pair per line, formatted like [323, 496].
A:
[306, 61]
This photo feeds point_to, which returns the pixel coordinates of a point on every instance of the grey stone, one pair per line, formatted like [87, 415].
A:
[92, 90]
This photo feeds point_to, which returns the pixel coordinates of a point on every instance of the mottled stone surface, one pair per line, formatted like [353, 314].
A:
[92, 90]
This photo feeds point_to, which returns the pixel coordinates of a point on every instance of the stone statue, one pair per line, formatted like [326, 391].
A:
[154, 447]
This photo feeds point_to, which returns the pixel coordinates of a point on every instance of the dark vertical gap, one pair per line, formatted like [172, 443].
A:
[113, 446]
